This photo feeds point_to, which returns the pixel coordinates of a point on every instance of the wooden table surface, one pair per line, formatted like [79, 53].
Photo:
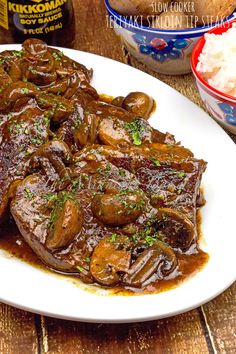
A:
[208, 329]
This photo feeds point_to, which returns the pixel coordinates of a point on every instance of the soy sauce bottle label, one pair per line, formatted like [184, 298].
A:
[44, 19]
[4, 14]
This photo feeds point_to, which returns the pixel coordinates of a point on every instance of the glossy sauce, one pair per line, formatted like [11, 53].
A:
[96, 241]
[12, 242]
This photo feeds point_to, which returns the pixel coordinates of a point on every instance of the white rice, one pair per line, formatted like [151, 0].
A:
[217, 62]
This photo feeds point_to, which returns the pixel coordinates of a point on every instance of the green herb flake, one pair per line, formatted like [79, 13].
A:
[136, 138]
[135, 130]
[75, 185]
[80, 269]
[57, 55]
[25, 90]
[155, 162]
[113, 237]
[104, 171]
[150, 240]
[18, 53]
[36, 141]
[122, 172]
[181, 174]
[29, 194]
[57, 202]
[87, 259]
[77, 122]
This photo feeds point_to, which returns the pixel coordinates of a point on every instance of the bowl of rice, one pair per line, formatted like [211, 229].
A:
[214, 67]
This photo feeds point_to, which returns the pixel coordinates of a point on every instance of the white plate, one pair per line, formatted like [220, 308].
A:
[34, 290]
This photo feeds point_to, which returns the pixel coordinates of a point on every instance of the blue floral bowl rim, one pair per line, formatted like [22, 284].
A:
[124, 20]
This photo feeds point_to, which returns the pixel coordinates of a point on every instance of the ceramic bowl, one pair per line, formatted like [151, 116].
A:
[220, 105]
[164, 51]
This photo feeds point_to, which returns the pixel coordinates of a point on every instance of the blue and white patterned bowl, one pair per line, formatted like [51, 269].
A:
[164, 51]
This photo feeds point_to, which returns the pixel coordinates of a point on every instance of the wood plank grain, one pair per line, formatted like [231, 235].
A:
[92, 34]
[220, 318]
[180, 334]
[17, 331]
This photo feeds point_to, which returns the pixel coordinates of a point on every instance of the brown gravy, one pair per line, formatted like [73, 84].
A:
[12, 242]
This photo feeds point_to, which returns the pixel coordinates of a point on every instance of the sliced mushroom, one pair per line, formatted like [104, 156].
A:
[112, 132]
[159, 259]
[108, 260]
[117, 101]
[52, 157]
[34, 46]
[59, 107]
[176, 228]
[57, 152]
[86, 133]
[16, 91]
[138, 103]
[118, 209]
[69, 221]
[39, 64]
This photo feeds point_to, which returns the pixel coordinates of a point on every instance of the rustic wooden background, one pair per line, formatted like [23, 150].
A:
[208, 329]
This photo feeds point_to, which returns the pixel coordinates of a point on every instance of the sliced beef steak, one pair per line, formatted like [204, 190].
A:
[103, 206]
[20, 136]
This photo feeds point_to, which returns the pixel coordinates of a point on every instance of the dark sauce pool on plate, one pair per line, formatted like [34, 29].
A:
[12, 242]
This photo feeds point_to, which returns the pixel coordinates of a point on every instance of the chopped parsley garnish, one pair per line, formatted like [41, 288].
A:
[57, 55]
[57, 202]
[18, 53]
[88, 259]
[113, 237]
[25, 90]
[60, 105]
[29, 194]
[80, 269]
[156, 162]
[150, 240]
[135, 130]
[47, 117]
[105, 171]
[15, 127]
[36, 141]
[77, 122]
[50, 197]
[75, 185]
[122, 172]
[181, 174]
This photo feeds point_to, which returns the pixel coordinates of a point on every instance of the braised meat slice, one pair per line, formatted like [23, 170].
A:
[47, 68]
[170, 176]
[20, 135]
[103, 123]
[66, 232]
[94, 189]
[98, 219]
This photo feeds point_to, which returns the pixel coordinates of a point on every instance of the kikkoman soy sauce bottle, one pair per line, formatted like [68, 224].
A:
[50, 20]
